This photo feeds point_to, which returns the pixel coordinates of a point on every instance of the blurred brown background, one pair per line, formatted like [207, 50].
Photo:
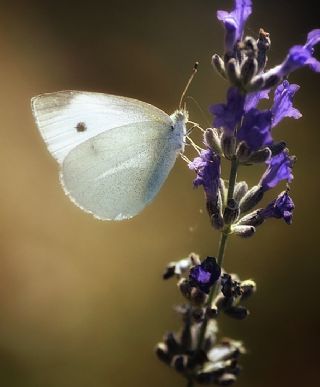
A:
[82, 302]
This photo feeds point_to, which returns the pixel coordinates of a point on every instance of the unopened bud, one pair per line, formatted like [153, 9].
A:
[277, 147]
[218, 65]
[250, 46]
[259, 156]
[248, 287]
[263, 45]
[243, 152]
[271, 81]
[243, 231]
[237, 312]
[240, 190]
[231, 212]
[226, 379]
[169, 271]
[217, 221]
[228, 144]
[223, 191]
[180, 363]
[248, 70]
[171, 342]
[185, 287]
[233, 72]
[197, 296]
[212, 140]
[256, 84]
[253, 219]
[251, 198]
[162, 353]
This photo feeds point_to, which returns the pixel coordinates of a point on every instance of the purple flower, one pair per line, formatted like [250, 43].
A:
[257, 124]
[208, 169]
[283, 102]
[280, 208]
[227, 116]
[256, 129]
[279, 168]
[253, 99]
[203, 276]
[234, 22]
[299, 56]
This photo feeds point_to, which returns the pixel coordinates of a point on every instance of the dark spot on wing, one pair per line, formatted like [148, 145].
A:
[81, 127]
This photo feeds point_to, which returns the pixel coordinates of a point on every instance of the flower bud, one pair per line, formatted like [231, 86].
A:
[250, 47]
[218, 65]
[237, 312]
[171, 342]
[277, 147]
[256, 84]
[228, 145]
[243, 152]
[240, 190]
[212, 140]
[259, 156]
[233, 72]
[180, 363]
[271, 81]
[248, 70]
[253, 219]
[248, 287]
[226, 379]
[231, 212]
[263, 45]
[185, 288]
[217, 221]
[162, 353]
[243, 231]
[197, 296]
[251, 198]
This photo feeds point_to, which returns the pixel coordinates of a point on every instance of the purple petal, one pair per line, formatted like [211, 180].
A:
[299, 56]
[279, 168]
[256, 129]
[283, 103]
[206, 274]
[227, 116]
[253, 99]
[234, 22]
[313, 39]
[208, 169]
[280, 208]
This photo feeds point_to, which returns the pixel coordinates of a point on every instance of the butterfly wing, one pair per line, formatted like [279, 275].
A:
[68, 118]
[115, 174]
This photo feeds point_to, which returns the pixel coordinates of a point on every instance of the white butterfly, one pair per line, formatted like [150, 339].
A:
[114, 152]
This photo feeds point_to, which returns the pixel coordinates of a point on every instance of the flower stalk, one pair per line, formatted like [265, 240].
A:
[242, 134]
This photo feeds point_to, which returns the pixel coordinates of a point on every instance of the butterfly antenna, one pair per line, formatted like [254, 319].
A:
[194, 71]
[200, 109]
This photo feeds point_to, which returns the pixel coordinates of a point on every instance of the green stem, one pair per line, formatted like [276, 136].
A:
[222, 246]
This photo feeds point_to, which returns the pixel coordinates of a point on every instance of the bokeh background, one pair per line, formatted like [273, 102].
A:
[82, 302]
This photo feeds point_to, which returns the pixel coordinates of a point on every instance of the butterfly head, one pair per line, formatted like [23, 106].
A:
[179, 119]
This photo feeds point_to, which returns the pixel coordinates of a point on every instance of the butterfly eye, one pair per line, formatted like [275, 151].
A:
[81, 127]
[172, 127]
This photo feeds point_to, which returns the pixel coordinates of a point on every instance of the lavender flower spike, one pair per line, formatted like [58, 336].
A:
[280, 208]
[234, 22]
[280, 168]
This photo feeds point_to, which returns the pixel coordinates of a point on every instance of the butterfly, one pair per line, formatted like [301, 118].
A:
[114, 152]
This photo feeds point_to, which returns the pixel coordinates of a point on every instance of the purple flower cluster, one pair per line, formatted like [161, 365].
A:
[245, 131]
